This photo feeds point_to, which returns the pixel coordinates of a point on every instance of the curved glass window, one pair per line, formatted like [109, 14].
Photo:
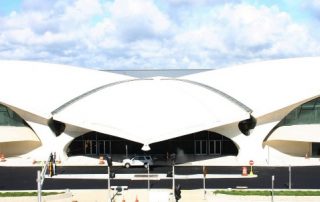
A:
[10, 118]
[307, 113]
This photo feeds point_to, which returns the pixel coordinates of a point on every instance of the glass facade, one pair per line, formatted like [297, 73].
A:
[10, 118]
[94, 143]
[307, 113]
[200, 143]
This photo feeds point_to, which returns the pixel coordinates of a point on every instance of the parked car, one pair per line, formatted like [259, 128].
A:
[142, 160]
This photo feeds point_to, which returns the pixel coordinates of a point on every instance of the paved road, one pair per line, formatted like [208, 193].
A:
[23, 178]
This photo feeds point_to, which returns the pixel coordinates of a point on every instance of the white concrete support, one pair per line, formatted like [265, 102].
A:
[64, 140]
[48, 142]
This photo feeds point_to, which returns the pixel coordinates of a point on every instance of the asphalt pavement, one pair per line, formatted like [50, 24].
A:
[302, 177]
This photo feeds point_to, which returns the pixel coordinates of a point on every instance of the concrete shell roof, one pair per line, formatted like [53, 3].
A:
[267, 86]
[152, 110]
[40, 88]
[303, 133]
[141, 110]
[13, 134]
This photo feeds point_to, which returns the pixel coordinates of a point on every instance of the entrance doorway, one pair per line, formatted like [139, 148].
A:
[215, 147]
[90, 147]
[200, 147]
[95, 144]
[104, 147]
[204, 147]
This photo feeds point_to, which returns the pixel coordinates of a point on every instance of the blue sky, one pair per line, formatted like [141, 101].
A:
[8, 6]
[157, 34]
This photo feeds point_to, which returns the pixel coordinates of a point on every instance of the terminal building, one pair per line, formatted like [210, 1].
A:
[267, 111]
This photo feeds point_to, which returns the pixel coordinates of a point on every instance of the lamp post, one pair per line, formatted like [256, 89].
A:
[148, 177]
[272, 186]
[146, 148]
[173, 182]
[173, 159]
[205, 172]
[289, 176]
[109, 161]
[39, 185]
[109, 194]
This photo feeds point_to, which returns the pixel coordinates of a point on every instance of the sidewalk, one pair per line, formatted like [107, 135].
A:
[156, 195]
[221, 161]
[152, 176]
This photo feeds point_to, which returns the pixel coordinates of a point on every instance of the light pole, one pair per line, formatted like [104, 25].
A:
[148, 177]
[205, 171]
[173, 158]
[173, 183]
[272, 186]
[39, 185]
[146, 148]
[109, 161]
[289, 176]
[109, 195]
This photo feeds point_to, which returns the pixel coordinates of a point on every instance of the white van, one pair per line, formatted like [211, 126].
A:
[138, 161]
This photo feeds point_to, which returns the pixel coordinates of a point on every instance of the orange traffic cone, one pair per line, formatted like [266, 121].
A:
[101, 161]
[2, 159]
[137, 200]
[123, 200]
[244, 171]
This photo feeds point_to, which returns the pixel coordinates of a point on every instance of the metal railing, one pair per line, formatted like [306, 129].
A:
[40, 178]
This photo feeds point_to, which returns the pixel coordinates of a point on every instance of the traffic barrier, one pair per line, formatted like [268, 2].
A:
[101, 160]
[2, 158]
[244, 171]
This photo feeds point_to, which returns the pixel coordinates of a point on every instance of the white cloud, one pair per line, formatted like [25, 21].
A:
[313, 5]
[139, 19]
[241, 32]
[200, 2]
[143, 34]
[82, 11]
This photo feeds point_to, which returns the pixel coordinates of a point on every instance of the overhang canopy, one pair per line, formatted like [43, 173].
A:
[266, 86]
[14, 134]
[152, 110]
[40, 88]
[303, 133]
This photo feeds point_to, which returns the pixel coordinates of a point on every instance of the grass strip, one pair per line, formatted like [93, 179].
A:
[19, 194]
[267, 193]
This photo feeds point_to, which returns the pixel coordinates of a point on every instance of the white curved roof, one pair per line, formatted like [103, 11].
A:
[303, 133]
[152, 110]
[266, 86]
[40, 88]
[13, 134]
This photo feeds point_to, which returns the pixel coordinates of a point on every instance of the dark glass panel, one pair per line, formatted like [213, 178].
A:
[10, 118]
[307, 113]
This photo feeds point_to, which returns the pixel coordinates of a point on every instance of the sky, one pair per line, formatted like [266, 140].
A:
[158, 34]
